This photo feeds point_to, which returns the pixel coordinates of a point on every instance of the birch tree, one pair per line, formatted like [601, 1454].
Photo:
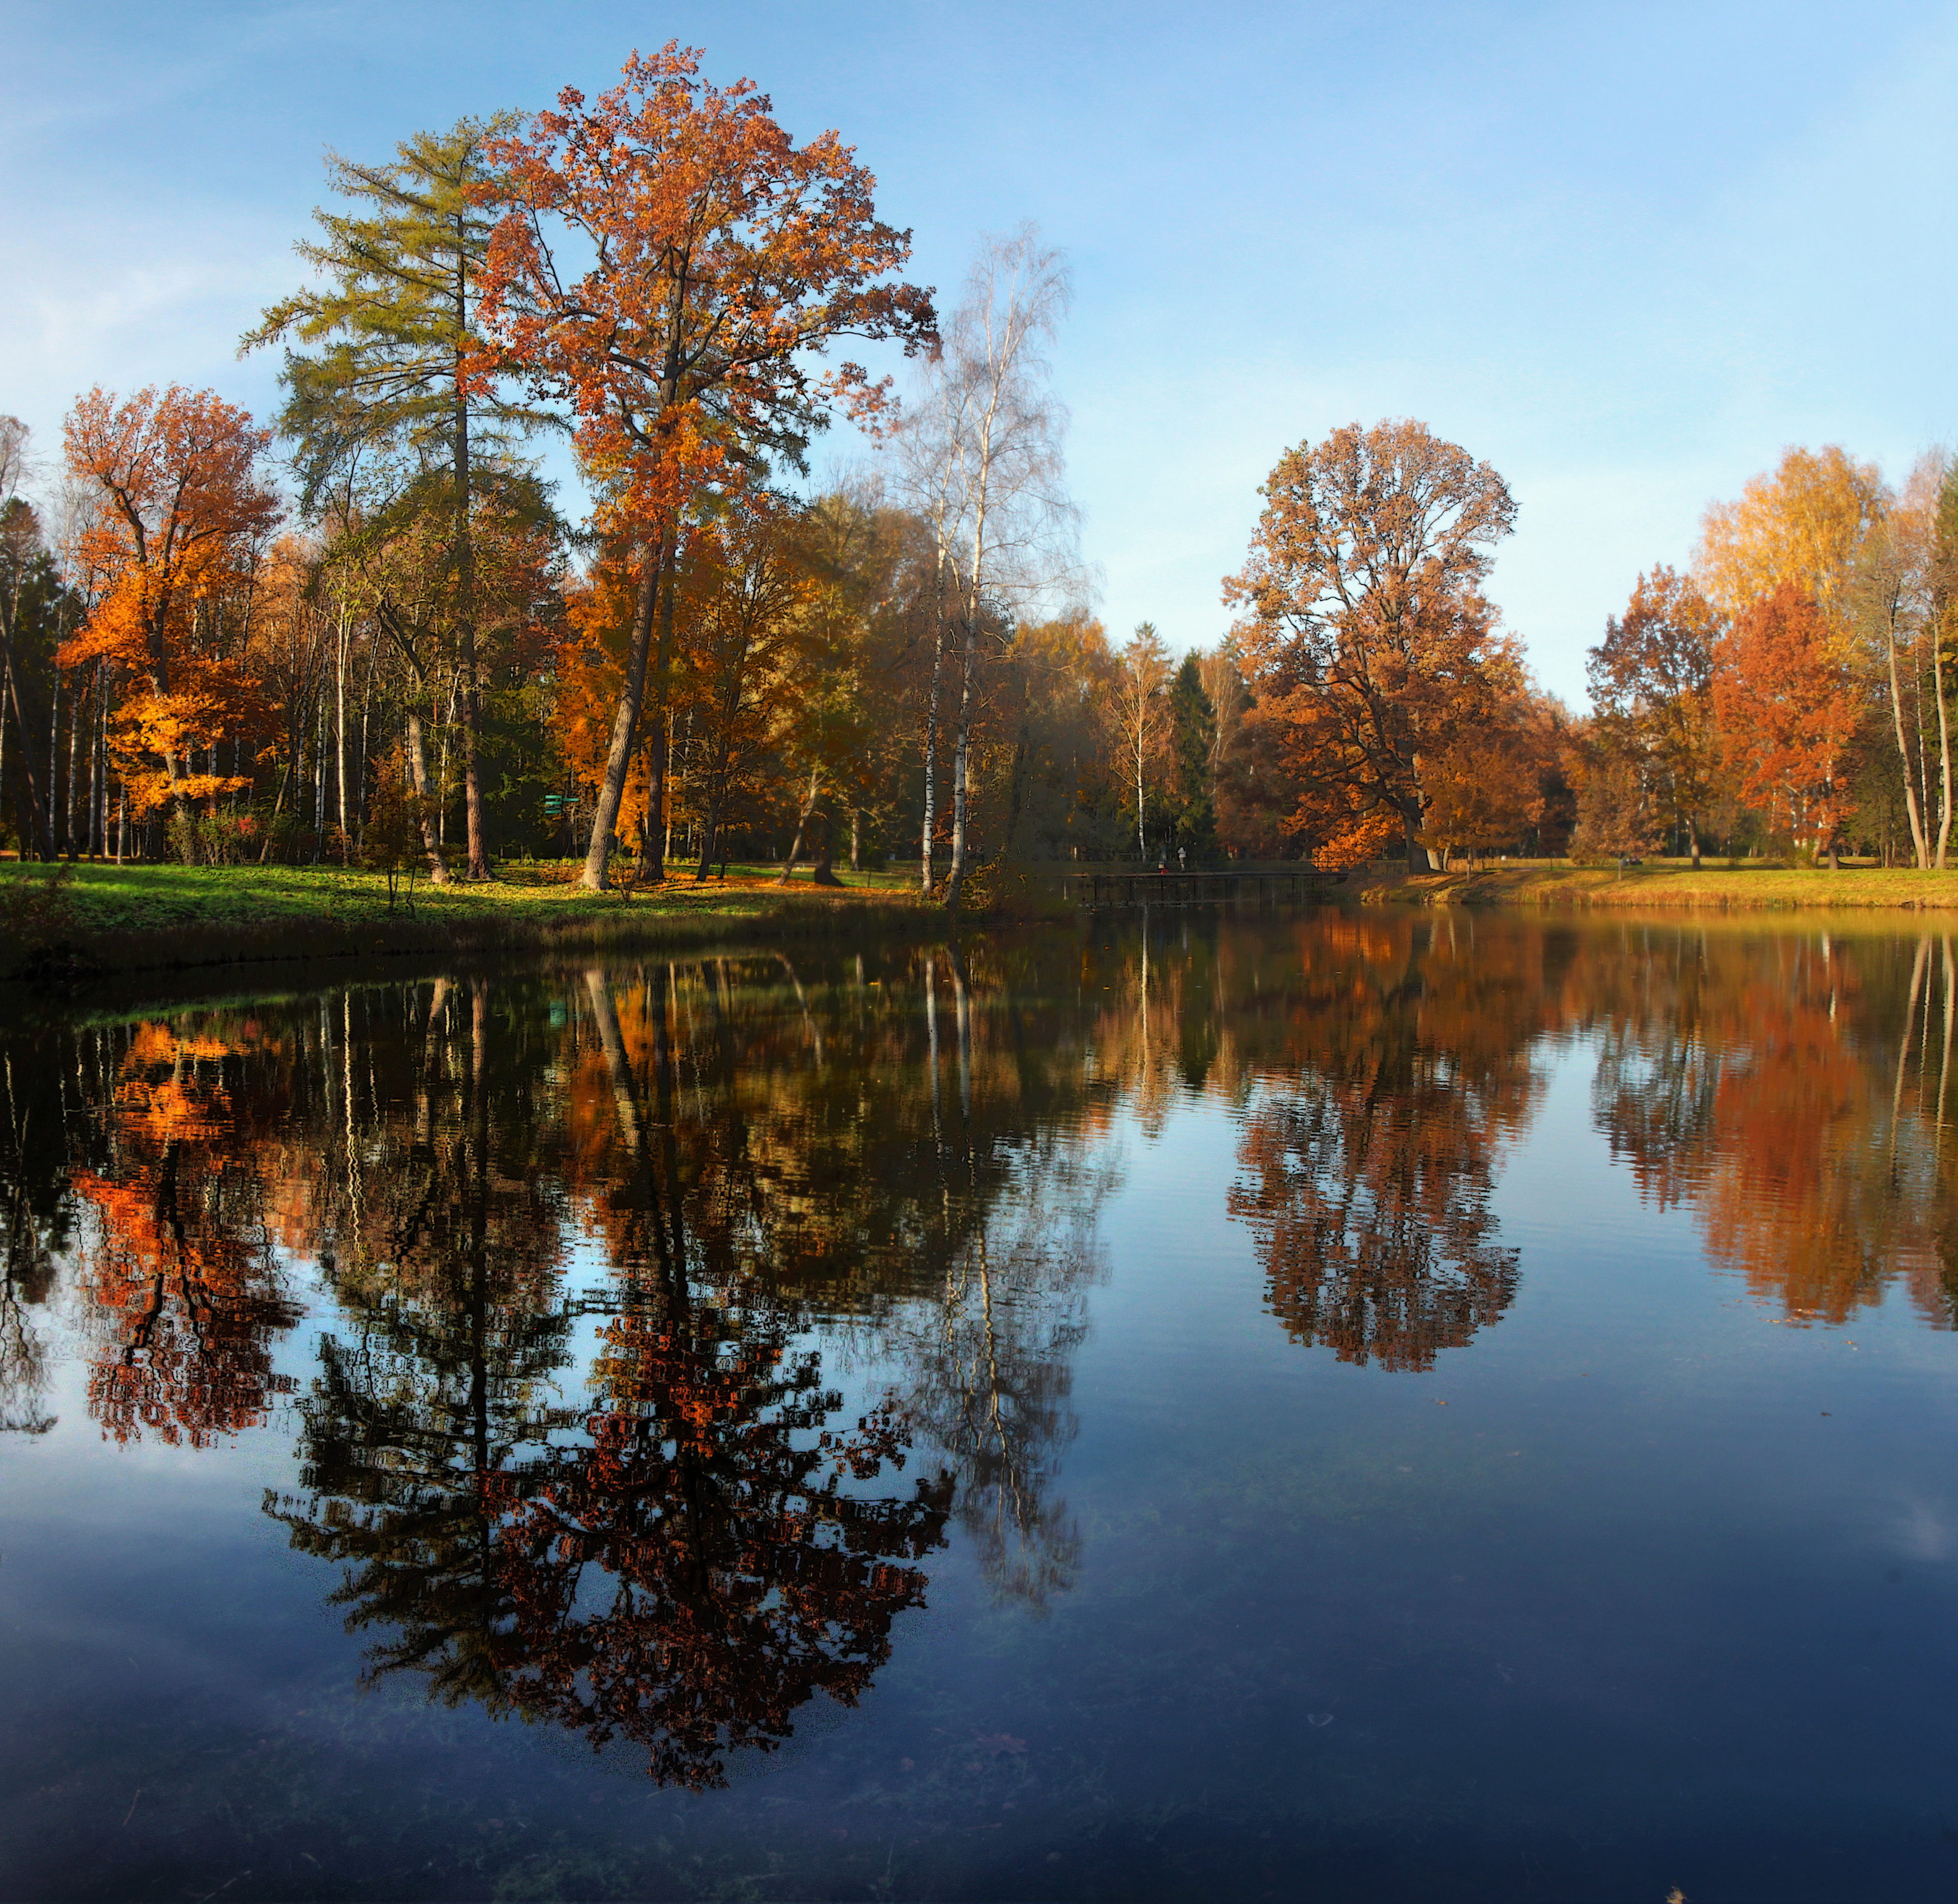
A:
[1001, 439]
[1141, 713]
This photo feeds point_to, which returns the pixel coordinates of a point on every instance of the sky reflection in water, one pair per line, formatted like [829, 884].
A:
[1350, 1405]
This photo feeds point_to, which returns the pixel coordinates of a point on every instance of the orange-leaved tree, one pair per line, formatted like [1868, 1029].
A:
[1368, 641]
[187, 503]
[1787, 710]
[722, 257]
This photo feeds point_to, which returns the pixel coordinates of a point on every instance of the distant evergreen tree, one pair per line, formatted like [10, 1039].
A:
[1193, 742]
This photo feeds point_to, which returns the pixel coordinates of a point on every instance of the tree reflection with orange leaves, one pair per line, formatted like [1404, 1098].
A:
[1367, 1157]
[742, 1563]
[179, 1269]
[1791, 1090]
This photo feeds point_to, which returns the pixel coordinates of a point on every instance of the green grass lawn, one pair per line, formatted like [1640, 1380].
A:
[1742, 885]
[105, 917]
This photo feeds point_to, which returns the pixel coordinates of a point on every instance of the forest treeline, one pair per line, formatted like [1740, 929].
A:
[365, 631]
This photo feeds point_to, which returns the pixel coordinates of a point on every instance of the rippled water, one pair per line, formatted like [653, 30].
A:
[1345, 1407]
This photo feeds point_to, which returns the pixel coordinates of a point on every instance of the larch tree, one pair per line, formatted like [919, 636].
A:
[1369, 642]
[392, 365]
[669, 262]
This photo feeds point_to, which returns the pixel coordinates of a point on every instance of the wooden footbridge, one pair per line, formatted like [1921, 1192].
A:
[1161, 886]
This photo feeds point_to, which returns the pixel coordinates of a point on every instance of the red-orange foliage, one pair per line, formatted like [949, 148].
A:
[186, 503]
[725, 257]
[742, 1580]
[1368, 643]
[180, 1272]
[1787, 710]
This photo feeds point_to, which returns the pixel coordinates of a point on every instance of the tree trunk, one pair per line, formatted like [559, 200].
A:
[961, 751]
[931, 730]
[802, 826]
[653, 866]
[75, 708]
[98, 811]
[1693, 835]
[710, 837]
[626, 721]
[465, 625]
[1918, 844]
[824, 873]
[417, 754]
[340, 737]
[54, 757]
[159, 679]
[1418, 860]
[1944, 749]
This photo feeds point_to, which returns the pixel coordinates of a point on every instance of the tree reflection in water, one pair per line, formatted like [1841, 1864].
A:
[1367, 1160]
[595, 1245]
[712, 1539]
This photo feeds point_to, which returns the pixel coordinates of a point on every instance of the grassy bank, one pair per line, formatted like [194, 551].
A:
[1740, 888]
[106, 920]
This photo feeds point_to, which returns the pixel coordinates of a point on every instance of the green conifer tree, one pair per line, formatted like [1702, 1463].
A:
[391, 367]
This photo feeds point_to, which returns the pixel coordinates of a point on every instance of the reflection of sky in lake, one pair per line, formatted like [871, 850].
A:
[1648, 1582]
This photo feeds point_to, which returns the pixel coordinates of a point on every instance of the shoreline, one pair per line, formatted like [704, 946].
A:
[1741, 889]
[106, 924]
[103, 924]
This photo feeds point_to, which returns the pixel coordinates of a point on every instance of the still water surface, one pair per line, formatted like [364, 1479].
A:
[1341, 1407]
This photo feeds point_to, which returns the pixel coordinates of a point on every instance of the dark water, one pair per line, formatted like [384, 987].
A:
[1345, 1407]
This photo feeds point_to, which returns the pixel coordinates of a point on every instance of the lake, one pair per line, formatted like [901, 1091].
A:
[1342, 1405]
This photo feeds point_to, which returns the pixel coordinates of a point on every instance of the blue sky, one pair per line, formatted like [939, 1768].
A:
[1626, 254]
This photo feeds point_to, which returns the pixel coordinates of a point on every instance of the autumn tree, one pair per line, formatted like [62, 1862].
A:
[1370, 643]
[1651, 694]
[1618, 817]
[1248, 787]
[832, 712]
[744, 585]
[669, 262]
[1062, 793]
[184, 498]
[1484, 792]
[1788, 710]
[393, 366]
[1803, 525]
